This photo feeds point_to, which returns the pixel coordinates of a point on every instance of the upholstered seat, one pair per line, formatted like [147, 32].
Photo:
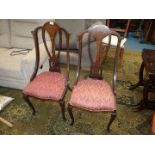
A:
[93, 95]
[51, 84]
[47, 85]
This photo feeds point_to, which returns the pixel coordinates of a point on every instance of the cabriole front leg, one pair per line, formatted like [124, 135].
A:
[29, 103]
[71, 114]
[62, 105]
[113, 116]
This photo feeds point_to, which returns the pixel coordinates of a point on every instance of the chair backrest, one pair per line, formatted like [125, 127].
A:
[95, 34]
[73, 26]
[50, 33]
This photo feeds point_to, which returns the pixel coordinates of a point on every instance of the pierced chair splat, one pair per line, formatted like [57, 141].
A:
[95, 94]
[52, 84]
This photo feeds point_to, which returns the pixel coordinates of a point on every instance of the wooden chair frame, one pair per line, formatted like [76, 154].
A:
[54, 65]
[125, 30]
[98, 32]
[147, 65]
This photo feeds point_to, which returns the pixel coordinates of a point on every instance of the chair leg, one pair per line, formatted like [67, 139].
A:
[69, 108]
[141, 78]
[69, 88]
[113, 116]
[62, 105]
[121, 54]
[29, 103]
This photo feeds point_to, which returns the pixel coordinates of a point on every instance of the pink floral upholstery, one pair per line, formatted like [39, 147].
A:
[93, 95]
[47, 85]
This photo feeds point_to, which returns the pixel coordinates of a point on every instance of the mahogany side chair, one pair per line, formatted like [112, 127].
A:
[52, 84]
[93, 93]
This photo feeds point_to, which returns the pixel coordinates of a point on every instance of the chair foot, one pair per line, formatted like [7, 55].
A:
[113, 116]
[69, 108]
[62, 105]
[29, 103]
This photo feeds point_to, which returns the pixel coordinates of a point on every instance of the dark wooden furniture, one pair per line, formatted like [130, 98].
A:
[52, 84]
[112, 24]
[124, 28]
[95, 94]
[148, 64]
[144, 29]
[149, 30]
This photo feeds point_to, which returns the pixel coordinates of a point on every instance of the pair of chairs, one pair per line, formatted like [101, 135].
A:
[92, 94]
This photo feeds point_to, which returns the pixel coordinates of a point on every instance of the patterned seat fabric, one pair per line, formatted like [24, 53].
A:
[93, 95]
[47, 85]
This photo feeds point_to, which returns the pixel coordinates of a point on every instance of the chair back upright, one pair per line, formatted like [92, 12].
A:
[51, 34]
[97, 50]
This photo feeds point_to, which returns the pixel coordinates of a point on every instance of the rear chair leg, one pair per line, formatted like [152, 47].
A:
[113, 116]
[69, 88]
[29, 103]
[121, 54]
[69, 108]
[62, 105]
